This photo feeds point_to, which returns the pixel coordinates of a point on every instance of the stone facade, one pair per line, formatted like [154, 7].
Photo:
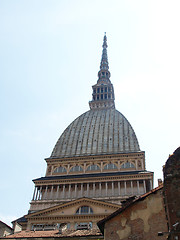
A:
[127, 177]
[141, 219]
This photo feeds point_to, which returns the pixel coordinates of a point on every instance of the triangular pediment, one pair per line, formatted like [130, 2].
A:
[69, 208]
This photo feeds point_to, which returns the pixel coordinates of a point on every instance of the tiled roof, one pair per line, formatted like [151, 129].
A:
[5, 225]
[102, 222]
[55, 233]
[21, 219]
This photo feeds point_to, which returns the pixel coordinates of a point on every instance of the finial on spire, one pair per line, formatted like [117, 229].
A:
[104, 59]
[105, 42]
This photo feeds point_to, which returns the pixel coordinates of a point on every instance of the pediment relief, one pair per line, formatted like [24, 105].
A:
[71, 208]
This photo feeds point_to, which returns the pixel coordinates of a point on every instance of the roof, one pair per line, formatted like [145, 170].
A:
[5, 225]
[92, 175]
[21, 219]
[126, 205]
[103, 131]
[54, 233]
[70, 203]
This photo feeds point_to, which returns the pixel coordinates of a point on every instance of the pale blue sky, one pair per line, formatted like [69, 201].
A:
[50, 52]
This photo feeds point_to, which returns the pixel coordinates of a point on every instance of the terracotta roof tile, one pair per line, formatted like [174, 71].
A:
[54, 233]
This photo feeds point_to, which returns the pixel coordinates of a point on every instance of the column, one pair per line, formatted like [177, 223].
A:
[40, 193]
[144, 182]
[93, 189]
[69, 191]
[119, 165]
[87, 189]
[106, 189]
[46, 191]
[136, 165]
[112, 188]
[75, 190]
[101, 166]
[81, 189]
[57, 193]
[132, 187]
[138, 186]
[151, 185]
[119, 188]
[51, 194]
[125, 188]
[100, 192]
[63, 192]
[142, 164]
[34, 193]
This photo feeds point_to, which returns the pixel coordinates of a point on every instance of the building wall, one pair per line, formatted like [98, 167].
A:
[4, 230]
[140, 221]
[172, 193]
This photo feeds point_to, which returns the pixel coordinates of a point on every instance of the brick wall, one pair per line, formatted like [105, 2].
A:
[140, 221]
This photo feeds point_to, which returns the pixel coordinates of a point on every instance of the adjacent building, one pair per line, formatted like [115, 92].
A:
[154, 215]
[5, 229]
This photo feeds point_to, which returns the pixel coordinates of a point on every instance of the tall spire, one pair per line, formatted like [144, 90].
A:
[104, 59]
[103, 92]
[104, 73]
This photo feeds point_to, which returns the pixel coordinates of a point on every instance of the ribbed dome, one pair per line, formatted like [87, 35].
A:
[96, 132]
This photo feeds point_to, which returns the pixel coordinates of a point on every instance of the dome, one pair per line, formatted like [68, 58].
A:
[97, 132]
[102, 129]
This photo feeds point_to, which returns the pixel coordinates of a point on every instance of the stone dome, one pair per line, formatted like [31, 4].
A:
[97, 132]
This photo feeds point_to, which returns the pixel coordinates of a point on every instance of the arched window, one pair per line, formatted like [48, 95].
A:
[76, 169]
[110, 166]
[128, 165]
[93, 168]
[84, 210]
[60, 170]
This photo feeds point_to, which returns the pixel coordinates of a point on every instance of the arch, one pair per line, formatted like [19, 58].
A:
[60, 170]
[93, 167]
[110, 166]
[84, 210]
[127, 165]
[76, 168]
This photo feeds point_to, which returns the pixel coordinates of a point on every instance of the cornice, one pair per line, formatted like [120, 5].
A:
[87, 179]
[68, 217]
[73, 203]
[94, 157]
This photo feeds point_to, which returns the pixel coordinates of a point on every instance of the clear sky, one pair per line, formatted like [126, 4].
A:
[50, 52]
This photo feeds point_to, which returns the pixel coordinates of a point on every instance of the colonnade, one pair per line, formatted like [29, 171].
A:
[93, 190]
